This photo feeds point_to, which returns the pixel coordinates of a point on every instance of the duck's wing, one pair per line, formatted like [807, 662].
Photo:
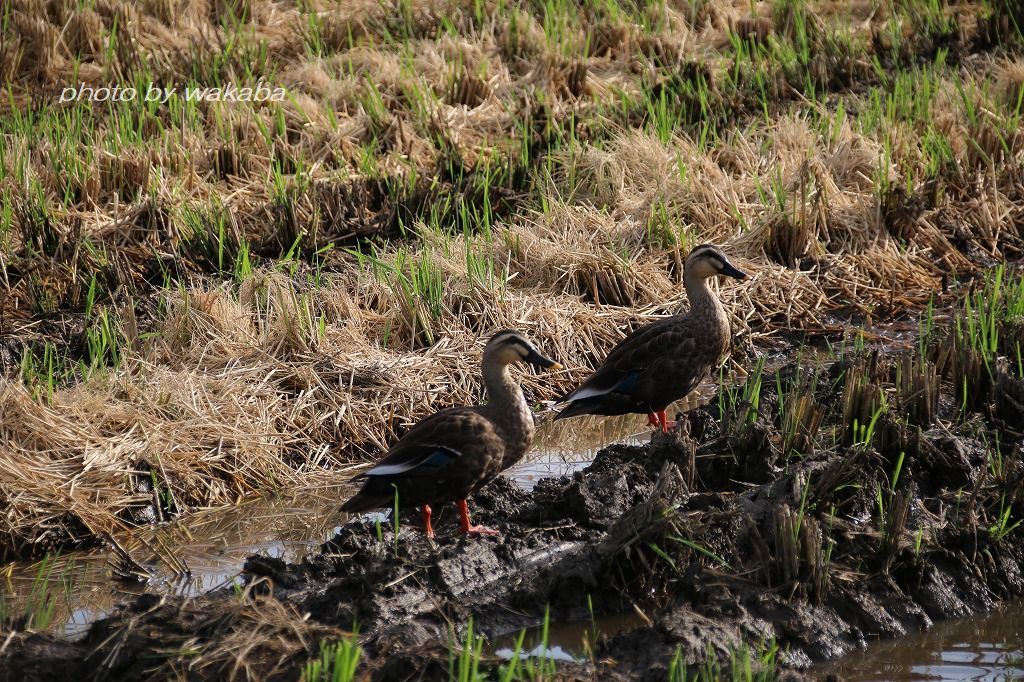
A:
[644, 349]
[445, 452]
[436, 441]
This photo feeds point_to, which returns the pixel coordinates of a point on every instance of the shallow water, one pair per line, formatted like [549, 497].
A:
[989, 647]
[563, 447]
[212, 544]
[565, 641]
[986, 648]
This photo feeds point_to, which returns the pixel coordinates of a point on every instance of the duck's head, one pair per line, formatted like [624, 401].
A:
[707, 261]
[508, 346]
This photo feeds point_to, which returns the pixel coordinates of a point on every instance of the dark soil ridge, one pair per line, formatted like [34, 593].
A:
[750, 569]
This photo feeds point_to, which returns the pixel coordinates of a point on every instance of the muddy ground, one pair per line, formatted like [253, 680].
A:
[708, 534]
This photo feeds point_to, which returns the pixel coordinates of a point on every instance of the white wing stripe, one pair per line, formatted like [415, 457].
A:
[402, 467]
[586, 393]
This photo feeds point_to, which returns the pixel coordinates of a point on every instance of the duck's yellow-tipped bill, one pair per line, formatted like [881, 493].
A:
[535, 358]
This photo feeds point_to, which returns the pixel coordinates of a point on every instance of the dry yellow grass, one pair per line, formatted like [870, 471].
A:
[245, 384]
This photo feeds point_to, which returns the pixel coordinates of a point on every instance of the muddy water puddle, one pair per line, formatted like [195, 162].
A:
[989, 647]
[563, 641]
[562, 447]
[187, 557]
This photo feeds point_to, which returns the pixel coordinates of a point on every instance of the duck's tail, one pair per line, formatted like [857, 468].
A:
[368, 499]
[577, 408]
[359, 504]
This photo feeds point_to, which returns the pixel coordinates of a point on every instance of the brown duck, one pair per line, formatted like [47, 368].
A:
[662, 362]
[451, 453]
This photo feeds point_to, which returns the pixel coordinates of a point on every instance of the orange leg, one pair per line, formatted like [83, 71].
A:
[426, 521]
[664, 422]
[466, 527]
[652, 418]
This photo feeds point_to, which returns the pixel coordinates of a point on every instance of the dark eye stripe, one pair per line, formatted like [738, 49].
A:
[513, 340]
[712, 253]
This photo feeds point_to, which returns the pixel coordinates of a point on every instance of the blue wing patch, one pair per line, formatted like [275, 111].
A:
[626, 384]
[438, 457]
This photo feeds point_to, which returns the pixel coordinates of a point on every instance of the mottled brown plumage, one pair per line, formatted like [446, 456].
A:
[451, 453]
[662, 362]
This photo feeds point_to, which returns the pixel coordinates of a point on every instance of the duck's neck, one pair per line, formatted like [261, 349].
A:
[506, 404]
[502, 391]
[703, 302]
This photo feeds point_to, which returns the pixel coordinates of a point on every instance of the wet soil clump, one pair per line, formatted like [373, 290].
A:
[720, 536]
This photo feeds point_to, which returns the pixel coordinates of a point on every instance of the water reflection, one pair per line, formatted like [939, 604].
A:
[564, 640]
[989, 647]
[212, 544]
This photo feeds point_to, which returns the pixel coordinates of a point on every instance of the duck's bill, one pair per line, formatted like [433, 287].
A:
[730, 271]
[535, 358]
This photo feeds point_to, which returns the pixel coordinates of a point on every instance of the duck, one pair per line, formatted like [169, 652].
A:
[452, 453]
[662, 362]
